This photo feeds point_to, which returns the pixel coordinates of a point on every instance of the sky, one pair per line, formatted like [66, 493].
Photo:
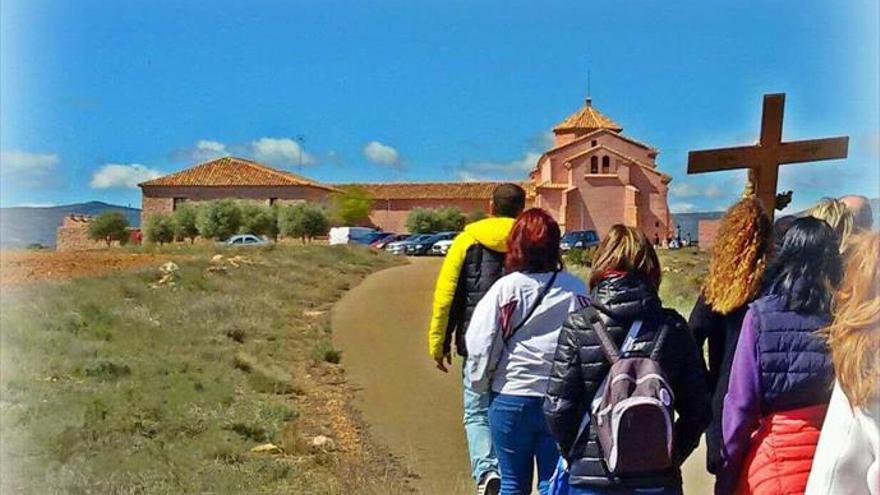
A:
[96, 96]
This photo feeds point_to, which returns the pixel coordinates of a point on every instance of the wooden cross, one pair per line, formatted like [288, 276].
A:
[764, 158]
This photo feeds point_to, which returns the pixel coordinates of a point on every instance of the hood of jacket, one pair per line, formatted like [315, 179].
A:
[625, 297]
[491, 232]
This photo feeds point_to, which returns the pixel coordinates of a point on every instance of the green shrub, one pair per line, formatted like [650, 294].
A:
[428, 220]
[352, 205]
[305, 221]
[324, 351]
[259, 220]
[475, 216]
[108, 227]
[185, 222]
[160, 228]
[219, 219]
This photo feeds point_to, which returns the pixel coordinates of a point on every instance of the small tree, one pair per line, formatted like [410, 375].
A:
[352, 205]
[450, 219]
[219, 219]
[185, 222]
[108, 227]
[259, 220]
[475, 216]
[422, 221]
[304, 220]
[160, 228]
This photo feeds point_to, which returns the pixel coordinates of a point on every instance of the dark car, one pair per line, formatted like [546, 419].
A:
[423, 246]
[381, 242]
[368, 239]
[579, 239]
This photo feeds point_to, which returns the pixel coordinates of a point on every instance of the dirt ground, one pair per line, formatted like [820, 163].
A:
[414, 409]
[17, 267]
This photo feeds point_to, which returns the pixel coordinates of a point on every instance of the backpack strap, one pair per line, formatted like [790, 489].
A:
[608, 347]
[659, 340]
[534, 307]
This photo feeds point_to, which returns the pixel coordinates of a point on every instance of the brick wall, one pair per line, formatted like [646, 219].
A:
[708, 230]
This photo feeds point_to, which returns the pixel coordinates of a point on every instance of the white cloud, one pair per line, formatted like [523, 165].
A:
[26, 167]
[682, 207]
[281, 151]
[382, 154]
[689, 190]
[202, 151]
[489, 170]
[115, 175]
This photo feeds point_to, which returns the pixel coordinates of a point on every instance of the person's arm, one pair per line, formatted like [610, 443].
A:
[691, 394]
[444, 294]
[483, 338]
[702, 324]
[565, 402]
[742, 407]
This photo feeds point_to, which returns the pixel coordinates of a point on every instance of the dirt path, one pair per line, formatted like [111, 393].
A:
[381, 327]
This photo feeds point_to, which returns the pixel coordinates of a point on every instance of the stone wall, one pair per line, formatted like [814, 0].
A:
[73, 235]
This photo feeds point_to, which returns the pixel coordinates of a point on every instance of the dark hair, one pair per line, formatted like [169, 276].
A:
[533, 243]
[807, 268]
[508, 200]
[626, 249]
[780, 227]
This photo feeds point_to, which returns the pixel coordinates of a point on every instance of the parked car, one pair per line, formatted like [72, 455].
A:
[579, 239]
[246, 240]
[406, 246]
[346, 235]
[370, 238]
[384, 241]
[440, 248]
[424, 246]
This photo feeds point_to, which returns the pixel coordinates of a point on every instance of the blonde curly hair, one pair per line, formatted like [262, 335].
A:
[854, 334]
[742, 247]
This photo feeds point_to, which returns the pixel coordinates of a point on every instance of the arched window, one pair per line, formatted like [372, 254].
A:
[594, 165]
[606, 165]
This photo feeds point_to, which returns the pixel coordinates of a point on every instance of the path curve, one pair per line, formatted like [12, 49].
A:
[381, 327]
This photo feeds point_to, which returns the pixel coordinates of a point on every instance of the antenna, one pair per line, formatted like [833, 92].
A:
[589, 88]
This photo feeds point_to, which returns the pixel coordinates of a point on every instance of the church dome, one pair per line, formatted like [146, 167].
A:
[586, 119]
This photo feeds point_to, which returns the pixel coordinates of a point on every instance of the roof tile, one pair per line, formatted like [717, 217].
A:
[233, 171]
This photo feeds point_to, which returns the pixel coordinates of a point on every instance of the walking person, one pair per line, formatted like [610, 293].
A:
[474, 262]
[626, 319]
[511, 341]
[847, 459]
[736, 270]
[781, 375]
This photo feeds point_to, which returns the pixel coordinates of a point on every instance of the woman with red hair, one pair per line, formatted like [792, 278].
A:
[511, 341]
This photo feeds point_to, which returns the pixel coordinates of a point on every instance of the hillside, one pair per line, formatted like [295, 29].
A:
[24, 225]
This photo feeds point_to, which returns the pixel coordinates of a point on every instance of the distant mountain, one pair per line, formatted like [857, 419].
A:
[23, 225]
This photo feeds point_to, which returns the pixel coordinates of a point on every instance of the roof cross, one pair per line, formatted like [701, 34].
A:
[764, 158]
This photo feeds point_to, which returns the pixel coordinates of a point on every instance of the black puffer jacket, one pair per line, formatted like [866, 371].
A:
[580, 366]
[482, 267]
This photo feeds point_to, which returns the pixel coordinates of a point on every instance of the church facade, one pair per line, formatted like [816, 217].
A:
[590, 179]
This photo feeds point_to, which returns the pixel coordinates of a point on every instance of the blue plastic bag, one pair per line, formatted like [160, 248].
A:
[559, 481]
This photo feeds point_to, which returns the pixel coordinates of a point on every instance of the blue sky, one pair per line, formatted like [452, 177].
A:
[97, 95]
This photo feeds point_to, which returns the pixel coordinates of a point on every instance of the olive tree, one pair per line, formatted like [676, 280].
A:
[160, 228]
[185, 222]
[219, 219]
[108, 227]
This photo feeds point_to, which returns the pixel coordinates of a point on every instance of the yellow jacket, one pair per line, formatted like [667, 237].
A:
[491, 233]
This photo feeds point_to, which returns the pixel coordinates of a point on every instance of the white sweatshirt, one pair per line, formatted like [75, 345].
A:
[846, 460]
[521, 366]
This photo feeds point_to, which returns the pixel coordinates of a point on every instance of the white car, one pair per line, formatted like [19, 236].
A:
[440, 248]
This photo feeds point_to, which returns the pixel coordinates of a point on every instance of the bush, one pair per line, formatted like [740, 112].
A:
[219, 219]
[303, 220]
[185, 222]
[352, 206]
[427, 220]
[475, 216]
[324, 351]
[579, 257]
[159, 228]
[259, 220]
[108, 227]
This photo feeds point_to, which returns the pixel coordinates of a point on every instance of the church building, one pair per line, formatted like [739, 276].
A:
[590, 179]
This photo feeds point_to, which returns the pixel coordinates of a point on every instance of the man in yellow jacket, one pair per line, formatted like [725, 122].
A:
[474, 262]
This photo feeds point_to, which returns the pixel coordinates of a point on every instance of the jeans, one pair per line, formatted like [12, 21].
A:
[521, 437]
[476, 427]
[574, 490]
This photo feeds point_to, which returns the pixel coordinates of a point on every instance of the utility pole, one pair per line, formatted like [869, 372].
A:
[301, 140]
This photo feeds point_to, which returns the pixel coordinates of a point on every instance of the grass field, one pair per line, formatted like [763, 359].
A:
[111, 386]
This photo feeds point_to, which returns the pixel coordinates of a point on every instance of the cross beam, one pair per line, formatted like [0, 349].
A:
[764, 158]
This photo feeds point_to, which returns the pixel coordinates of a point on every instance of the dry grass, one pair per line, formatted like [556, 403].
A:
[109, 386]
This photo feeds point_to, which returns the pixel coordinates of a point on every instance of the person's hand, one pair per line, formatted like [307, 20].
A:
[445, 357]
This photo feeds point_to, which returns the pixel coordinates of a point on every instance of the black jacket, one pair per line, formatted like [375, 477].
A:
[580, 366]
[722, 333]
[482, 267]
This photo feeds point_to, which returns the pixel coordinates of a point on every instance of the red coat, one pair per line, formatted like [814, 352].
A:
[782, 452]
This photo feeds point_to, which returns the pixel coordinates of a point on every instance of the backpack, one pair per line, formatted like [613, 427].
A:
[633, 409]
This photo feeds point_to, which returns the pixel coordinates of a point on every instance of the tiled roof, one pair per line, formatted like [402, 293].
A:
[232, 171]
[587, 119]
[429, 190]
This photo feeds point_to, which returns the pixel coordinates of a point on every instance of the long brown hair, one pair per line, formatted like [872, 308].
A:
[533, 243]
[742, 248]
[625, 249]
[854, 335]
